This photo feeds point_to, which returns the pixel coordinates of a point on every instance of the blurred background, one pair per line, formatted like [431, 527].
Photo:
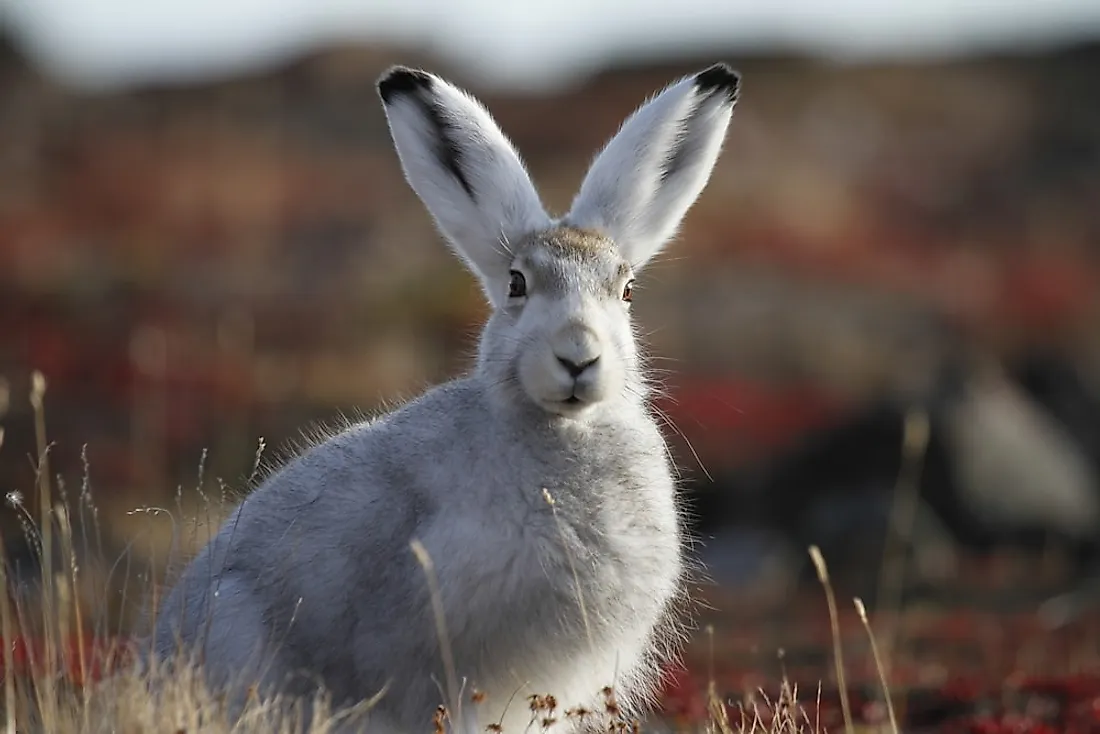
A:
[205, 239]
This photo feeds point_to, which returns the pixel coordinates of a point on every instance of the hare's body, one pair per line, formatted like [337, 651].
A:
[503, 556]
[539, 485]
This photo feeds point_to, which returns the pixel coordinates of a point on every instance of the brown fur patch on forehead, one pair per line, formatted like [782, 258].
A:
[566, 241]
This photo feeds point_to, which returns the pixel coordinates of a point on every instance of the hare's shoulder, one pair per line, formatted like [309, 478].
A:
[365, 488]
[373, 459]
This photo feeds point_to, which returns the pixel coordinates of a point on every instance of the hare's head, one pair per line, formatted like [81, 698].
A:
[560, 334]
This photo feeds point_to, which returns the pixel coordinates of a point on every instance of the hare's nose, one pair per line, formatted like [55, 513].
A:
[576, 368]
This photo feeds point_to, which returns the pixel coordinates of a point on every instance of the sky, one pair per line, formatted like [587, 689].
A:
[511, 42]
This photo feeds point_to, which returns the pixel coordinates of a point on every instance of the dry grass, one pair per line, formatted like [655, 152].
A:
[132, 702]
[65, 674]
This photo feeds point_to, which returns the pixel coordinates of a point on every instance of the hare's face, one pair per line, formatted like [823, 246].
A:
[562, 331]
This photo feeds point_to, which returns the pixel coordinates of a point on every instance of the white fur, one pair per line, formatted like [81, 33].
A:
[622, 194]
[544, 499]
[508, 206]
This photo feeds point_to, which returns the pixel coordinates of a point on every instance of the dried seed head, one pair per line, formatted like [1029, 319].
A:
[438, 718]
[610, 705]
[545, 703]
[860, 609]
[819, 564]
[38, 389]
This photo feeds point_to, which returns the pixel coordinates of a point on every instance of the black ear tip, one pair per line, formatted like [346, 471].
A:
[399, 80]
[719, 78]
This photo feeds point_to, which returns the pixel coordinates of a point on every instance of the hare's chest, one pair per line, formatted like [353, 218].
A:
[615, 567]
[615, 519]
[594, 509]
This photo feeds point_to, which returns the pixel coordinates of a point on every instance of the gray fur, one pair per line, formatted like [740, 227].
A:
[312, 581]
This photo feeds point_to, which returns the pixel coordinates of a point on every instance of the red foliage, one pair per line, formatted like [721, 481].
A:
[720, 416]
[1033, 705]
[98, 657]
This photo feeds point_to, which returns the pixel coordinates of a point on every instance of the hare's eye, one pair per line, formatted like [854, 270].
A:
[517, 284]
[628, 291]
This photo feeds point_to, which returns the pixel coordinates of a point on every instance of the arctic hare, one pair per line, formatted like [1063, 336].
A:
[538, 485]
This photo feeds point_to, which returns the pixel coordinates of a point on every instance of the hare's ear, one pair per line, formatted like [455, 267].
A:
[642, 183]
[463, 168]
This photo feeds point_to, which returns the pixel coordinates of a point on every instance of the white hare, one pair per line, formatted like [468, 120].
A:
[539, 484]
